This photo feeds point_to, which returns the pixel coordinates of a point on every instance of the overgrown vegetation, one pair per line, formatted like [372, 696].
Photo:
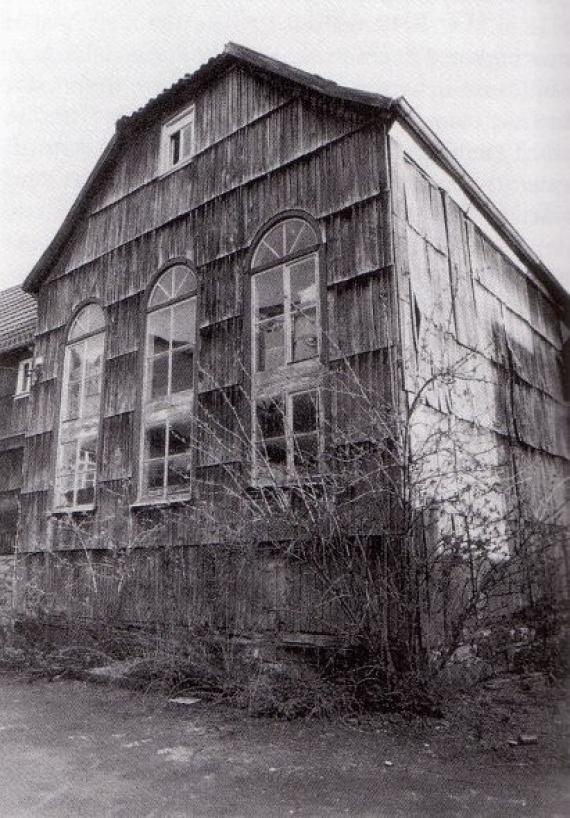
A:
[428, 569]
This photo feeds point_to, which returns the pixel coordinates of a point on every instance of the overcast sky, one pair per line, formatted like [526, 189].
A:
[492, 78]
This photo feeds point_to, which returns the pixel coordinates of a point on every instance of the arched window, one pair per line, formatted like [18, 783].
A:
[76, 469]
[285, 296]
[168, 392]
[286, 347]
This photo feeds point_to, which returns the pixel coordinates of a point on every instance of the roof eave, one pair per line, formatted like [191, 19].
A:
[35, 276]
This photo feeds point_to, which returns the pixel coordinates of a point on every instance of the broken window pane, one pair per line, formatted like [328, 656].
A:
[303, 283]
[179, 437]
[269, 293]
[305, 341]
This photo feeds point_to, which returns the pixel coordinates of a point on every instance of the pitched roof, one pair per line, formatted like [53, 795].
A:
[18, 314]
[386, 107]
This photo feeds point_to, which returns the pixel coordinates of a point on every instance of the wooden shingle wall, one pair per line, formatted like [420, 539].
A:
[262, 149]
[463, 302]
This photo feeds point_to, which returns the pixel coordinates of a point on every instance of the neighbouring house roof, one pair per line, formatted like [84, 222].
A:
[18, 314]
[387, 108]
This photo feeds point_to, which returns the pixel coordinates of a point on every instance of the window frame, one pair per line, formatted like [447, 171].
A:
[172, 410]
[292, 476]
[63, 399]
[23, 377]
[175, 125]
[291, 377]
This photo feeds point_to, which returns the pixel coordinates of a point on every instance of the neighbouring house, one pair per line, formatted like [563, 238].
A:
[17, 328]
[252, 238]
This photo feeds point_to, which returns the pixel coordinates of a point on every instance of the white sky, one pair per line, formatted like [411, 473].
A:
[492, 78]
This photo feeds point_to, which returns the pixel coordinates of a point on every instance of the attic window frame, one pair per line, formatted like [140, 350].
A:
[25, 378]
[172, 127]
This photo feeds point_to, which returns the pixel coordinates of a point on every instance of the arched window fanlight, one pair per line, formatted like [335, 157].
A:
[168, 393]
[286, 238]
[76, 469]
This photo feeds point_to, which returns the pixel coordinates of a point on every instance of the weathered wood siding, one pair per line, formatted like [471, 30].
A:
[262, 149]
[13, 423]
[462, 299]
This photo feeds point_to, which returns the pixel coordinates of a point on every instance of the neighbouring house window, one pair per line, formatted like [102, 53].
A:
[178, 140]
[286, 347]
[168, 393]
[24, 381]
[76, 468]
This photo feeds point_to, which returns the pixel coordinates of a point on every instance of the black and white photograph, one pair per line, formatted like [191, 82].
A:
[285, 409]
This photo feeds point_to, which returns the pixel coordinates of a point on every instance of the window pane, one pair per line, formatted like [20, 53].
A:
[270, 248]
[273, 458]
[156, 441]
[184, 323]
[154, 476]
[92, 398]
[64, 495]
[93, 352]
[271, 417]
[162, 290]
[179, 437]
[270, 345]
[304, 412]
[178, 472]
[305, 341]
[306, 453]
[158, 376]
[89, 319]
[67, 457]
[86, 456]
[86, 492]
[269, 293]
[303, 282]
[75, 358]
[175, 147]
[184, 281]
[298, 235]
[73, 399]
[187, 139]
[182, 370]
[158, 332]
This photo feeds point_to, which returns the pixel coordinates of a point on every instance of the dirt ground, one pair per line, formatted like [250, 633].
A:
[72, 748]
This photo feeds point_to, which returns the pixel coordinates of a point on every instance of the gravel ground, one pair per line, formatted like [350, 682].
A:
[71, 748]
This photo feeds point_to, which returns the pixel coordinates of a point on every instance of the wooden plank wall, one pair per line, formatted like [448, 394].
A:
[263, 149]
[472, 303]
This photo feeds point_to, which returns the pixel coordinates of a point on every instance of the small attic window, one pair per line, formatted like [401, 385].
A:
[177, 143]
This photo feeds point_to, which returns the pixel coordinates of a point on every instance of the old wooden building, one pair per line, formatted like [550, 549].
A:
[249, 238]
[17, 328]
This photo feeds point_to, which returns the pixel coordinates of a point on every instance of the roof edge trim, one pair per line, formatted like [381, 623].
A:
[447, 160]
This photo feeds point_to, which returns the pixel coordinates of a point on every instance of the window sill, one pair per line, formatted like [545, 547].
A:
[161, 502]
[60, 512]
[167, 171]
[21, 395]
